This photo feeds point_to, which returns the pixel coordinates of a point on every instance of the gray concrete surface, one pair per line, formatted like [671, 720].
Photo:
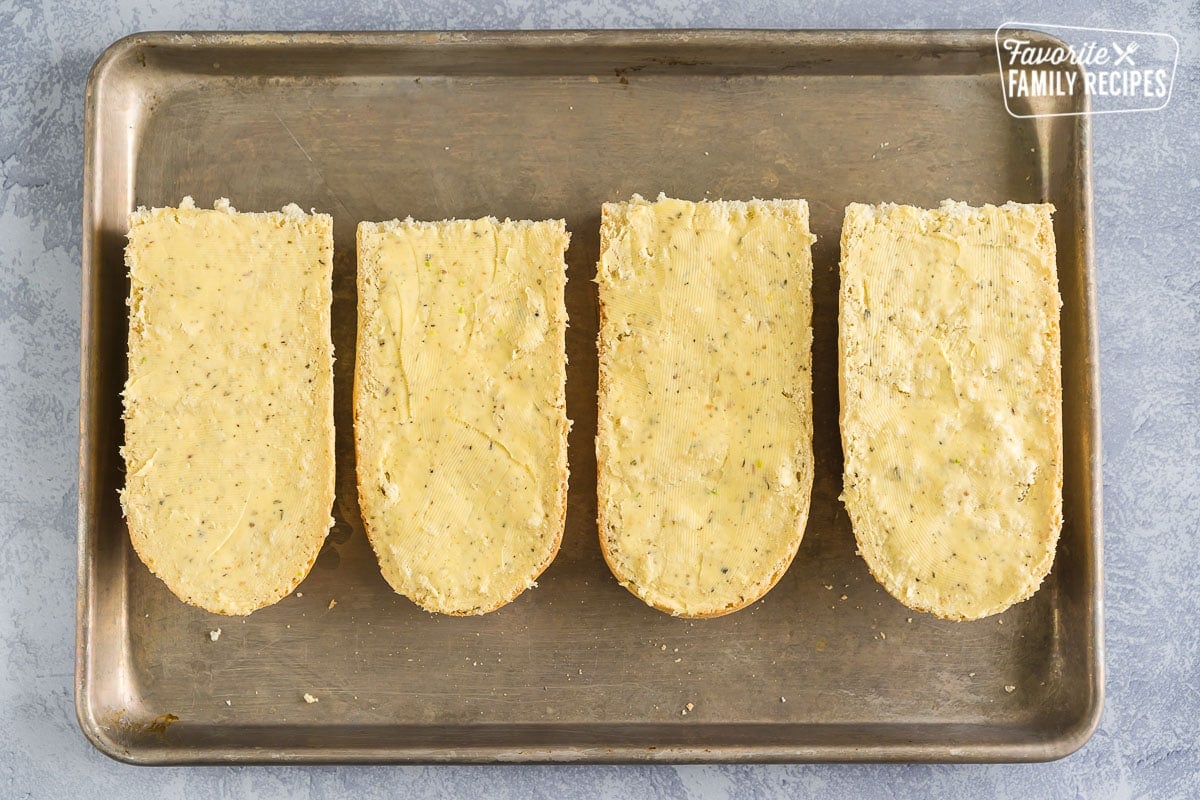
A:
[1147, 187]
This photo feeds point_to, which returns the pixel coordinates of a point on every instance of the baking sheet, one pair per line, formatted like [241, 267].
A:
[551, 124]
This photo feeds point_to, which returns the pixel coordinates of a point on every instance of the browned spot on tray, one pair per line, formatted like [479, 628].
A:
[160, 723]
[120, 718]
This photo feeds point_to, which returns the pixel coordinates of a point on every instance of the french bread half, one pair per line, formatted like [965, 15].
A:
[704, 438]
[228, 405]
[460, 407]
[951, 401]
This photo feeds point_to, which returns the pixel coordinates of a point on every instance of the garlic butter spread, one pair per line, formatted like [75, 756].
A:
[460, 410]
[229, 400]
[704, 442]
[951, 401]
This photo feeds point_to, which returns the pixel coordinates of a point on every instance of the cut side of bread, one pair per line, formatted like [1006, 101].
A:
[704, 437]
[228, 405]
[460, 406]
[951, 401]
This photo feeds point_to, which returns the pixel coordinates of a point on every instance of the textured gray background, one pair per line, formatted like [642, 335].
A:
[1147, 185]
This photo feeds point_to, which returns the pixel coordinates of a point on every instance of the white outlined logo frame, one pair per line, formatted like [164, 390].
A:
[1047, 29]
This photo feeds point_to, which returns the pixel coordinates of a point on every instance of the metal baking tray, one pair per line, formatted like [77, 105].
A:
[551, 124]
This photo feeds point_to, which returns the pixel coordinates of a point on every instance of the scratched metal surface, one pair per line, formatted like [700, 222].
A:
[534, 125]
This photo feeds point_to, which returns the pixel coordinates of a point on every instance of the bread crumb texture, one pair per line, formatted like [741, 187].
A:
[704, 440]
[460, 406]
[951, 401]
[228, 406]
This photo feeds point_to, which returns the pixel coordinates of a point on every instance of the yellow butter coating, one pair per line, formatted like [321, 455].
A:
[951, 401]
[704, 441]
[460, 412]
[229, 400]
